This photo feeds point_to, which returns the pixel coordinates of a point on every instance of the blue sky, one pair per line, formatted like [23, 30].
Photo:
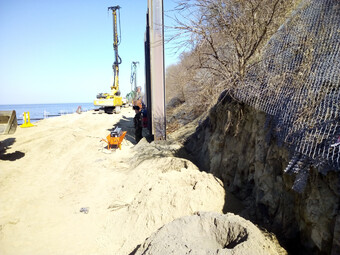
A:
[59, 51]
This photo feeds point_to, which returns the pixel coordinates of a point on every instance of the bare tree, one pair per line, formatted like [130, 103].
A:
[227, 35]
[178, 77]
[183, 77]
[223, 39]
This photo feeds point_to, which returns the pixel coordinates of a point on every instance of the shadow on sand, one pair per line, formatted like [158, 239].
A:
[126, 124]
[4, 145]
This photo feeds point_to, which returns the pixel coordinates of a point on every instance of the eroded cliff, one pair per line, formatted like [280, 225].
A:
[237, 145]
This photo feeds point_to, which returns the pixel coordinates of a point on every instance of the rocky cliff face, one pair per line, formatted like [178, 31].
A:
[235, 143]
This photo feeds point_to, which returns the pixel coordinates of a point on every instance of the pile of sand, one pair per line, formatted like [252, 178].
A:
[210, 233]
[62, 192]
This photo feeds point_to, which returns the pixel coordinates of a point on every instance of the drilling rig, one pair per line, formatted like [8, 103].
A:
[133, 78]
[133, 81]
[111, 102]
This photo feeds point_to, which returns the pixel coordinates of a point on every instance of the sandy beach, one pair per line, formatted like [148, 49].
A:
[63, 192]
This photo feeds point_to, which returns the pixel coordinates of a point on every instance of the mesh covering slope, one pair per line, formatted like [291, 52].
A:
[297, 84]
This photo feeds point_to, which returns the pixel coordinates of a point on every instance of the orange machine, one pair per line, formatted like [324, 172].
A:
[114, 139]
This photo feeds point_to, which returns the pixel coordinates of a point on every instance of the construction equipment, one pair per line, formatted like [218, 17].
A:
[136, 92]
[133, 78]
[113, 101]
[133, 81]
[8, 122]
[115, 138]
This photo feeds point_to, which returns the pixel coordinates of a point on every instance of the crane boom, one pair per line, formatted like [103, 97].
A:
[116, 41]
[113, 101]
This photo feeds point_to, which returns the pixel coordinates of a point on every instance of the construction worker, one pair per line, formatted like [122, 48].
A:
[137, 120]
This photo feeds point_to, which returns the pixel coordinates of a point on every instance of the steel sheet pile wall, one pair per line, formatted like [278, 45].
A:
[298, 84]
[157, 70]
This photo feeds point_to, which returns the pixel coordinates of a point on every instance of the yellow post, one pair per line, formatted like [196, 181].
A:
[24, 118]
[28, 122]
[28, 117]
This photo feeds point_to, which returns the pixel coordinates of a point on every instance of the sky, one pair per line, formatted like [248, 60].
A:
[60, 51]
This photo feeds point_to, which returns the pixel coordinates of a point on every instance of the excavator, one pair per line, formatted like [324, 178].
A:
[8, 122]
[112, 102]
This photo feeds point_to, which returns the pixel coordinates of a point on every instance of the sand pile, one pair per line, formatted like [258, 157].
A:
[62, 192]
[210, 233]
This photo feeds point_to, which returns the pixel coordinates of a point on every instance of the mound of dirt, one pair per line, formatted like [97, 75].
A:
[209, 233]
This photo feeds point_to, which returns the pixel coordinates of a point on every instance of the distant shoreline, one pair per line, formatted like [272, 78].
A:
[43, 111]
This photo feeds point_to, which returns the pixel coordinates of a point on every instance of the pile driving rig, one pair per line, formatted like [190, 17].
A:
[112, 101]
[133, 78]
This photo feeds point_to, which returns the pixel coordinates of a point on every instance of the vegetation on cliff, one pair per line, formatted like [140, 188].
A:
[273, 134]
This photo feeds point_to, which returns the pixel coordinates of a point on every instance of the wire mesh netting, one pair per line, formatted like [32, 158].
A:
[297, 84]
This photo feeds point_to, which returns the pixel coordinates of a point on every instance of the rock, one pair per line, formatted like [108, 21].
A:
[209, 233]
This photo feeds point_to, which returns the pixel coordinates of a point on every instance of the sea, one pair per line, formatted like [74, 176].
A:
[42, 111]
